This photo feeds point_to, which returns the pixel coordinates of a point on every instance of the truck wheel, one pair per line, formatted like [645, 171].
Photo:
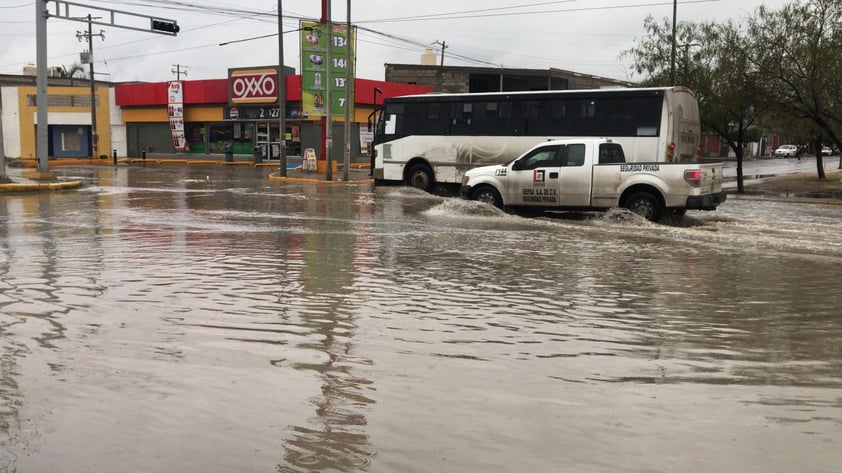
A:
[420, 176]
[645, 205]
[489, 195]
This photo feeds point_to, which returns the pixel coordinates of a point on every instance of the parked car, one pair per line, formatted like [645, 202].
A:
[826, 151]
[786, 150]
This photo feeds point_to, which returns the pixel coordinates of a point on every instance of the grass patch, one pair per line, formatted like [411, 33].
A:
[801, 184]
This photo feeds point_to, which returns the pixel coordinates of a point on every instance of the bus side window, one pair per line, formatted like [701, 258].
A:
[433, 111]
[538, 119]
[462, 118]
[520, 110]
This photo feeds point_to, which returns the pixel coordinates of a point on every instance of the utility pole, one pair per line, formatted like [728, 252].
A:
[443, 47]
[282, 95]
[178, 72]
[674, 40]
[348, 98]
[90, 37]
[328, 98]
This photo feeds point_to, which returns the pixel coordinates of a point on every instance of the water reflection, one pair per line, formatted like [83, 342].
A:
[45, 279]
[317, 292]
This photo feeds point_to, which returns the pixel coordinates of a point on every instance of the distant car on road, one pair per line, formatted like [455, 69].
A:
[826, 151]
[786, 150]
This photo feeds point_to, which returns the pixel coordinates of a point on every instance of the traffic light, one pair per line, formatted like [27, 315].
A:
[165, 26]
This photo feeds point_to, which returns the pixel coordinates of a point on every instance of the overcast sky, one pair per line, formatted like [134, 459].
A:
[585, 36]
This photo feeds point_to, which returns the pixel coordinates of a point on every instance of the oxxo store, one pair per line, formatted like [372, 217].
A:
[241, 111]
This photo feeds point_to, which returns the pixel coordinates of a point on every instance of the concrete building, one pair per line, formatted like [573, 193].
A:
[69, 116]
[463, 79]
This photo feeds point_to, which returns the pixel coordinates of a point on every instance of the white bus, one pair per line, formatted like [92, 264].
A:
[427, 140]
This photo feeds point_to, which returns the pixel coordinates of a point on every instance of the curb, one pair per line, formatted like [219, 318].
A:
[50, 186]
[277, 178]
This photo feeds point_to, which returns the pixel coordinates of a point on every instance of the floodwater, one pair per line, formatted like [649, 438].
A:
[206, 319]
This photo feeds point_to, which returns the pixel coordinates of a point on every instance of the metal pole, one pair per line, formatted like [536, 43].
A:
[41, 146]
[2, 150]
[348, 97]
[94, 135]
[328, 99]
[282, 94]
[371, 149]
[672, 56]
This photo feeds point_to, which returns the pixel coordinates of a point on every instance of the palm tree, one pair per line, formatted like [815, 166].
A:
[75, 71]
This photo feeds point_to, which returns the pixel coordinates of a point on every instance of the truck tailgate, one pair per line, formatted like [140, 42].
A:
[711, 178]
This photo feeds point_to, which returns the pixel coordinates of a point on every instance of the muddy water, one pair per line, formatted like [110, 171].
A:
[207, 319]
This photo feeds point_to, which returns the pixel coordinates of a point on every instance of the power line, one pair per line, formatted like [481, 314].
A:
[436, 15]
[22, 5]
[458, 16]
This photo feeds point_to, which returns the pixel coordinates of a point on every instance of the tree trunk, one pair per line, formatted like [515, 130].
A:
[819, 163]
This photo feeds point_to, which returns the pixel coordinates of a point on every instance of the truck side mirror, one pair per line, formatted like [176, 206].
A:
[517, 165]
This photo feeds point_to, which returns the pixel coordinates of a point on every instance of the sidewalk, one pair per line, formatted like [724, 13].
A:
[358, 173]
[23, 176]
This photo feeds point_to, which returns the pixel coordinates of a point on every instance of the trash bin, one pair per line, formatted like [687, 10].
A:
[258, 154]
[229, 154]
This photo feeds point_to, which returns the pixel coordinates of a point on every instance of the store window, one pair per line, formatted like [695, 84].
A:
[196, 137]
[213, 138]
[242, 136]
[219, 137]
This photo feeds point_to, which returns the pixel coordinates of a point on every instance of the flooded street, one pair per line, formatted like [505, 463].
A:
[206, 319]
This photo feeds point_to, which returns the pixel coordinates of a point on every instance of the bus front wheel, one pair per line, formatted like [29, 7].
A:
[420, 176]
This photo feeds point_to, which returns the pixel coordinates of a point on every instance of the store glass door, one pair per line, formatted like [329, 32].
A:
[268, 139]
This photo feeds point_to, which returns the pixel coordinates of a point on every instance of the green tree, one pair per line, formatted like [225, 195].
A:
[798, 50]
[713, 60]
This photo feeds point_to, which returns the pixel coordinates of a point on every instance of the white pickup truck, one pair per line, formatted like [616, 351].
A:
[591, 174]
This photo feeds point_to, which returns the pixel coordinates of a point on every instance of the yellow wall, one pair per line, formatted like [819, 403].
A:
[159, 114]
[27, 116]
[209, 114]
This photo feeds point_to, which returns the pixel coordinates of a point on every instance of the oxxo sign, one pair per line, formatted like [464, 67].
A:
[253, 86]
